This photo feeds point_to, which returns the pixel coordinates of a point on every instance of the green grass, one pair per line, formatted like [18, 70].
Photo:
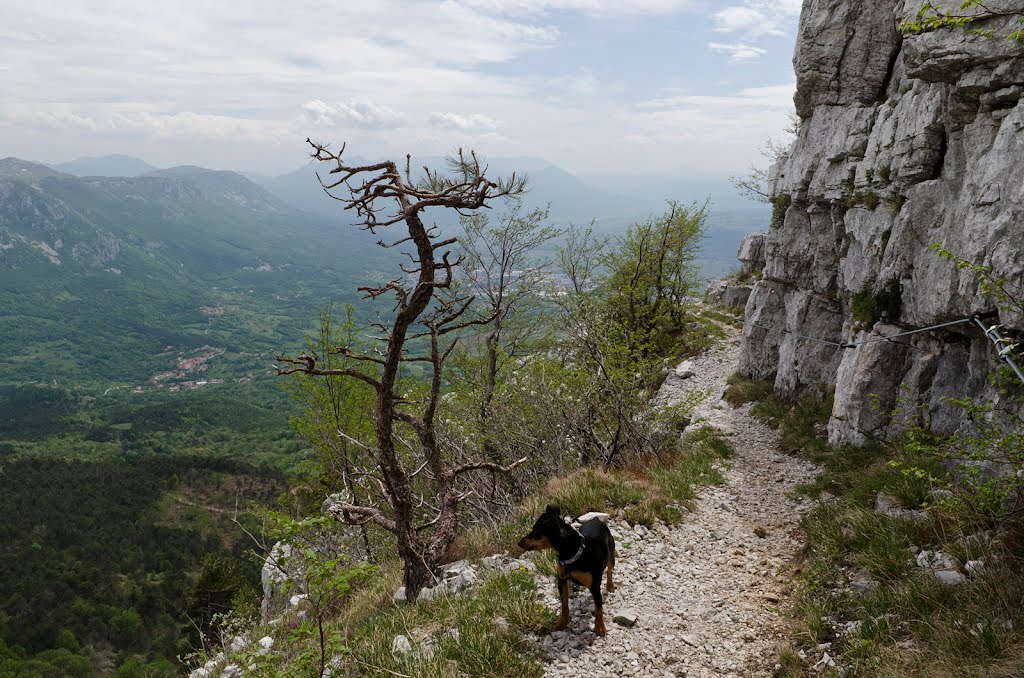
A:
[741, 390]
[863, 310]
[801, 422]
[644, 495]
[724, 316]
[909, 623]
[484, 646]
[480, 633]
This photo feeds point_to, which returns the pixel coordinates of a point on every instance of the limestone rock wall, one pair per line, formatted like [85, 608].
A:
[903, 141]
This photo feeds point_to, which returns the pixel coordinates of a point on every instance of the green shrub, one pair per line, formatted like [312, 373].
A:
[780, 204]
[971, 629]
[863, 310]
[740, 390]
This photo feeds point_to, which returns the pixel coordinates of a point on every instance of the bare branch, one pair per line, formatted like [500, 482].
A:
[488, 466]
[307, 365]
[347, 513]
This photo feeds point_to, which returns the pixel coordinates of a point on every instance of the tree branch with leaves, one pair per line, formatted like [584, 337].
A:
[931, 17]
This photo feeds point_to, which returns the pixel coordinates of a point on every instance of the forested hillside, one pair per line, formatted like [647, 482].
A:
[138, 411]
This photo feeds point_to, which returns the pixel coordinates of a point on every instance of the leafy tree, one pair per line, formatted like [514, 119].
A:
[325, 575]
[504, 280]
[337, 413]
[621, 314]
[221, 587]
[651, 273]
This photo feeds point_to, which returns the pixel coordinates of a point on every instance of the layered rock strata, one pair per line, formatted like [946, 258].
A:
[903, 141]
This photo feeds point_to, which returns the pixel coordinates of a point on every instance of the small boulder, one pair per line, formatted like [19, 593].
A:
[890, 506]
[950, 577]
[603, 517]
[824, 663]
[862, 583]
[685, 369]
[453, 570]
[975, 566]
[935, 560]
[625, 618]
[496, 562]
[238, 643]
[400, 596]
[462, 581]
[429, 593]
[401, 645]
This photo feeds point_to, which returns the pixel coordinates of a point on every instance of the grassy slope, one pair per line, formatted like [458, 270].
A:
[899, 621]
[495, 617]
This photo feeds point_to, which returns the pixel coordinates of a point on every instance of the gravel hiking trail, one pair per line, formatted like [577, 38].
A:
[706, 594]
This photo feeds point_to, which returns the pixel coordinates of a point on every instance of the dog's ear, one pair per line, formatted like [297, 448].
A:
[553, 510]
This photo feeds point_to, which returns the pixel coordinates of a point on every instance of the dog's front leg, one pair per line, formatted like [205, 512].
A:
[595, 590]
[563, 595]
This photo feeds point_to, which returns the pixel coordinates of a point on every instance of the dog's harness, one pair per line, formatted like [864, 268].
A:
[570, 561]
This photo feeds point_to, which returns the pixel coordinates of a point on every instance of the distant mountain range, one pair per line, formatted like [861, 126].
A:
[114, 280]
[609, 200]
[106, 166]
[113, 271]
[609, 203]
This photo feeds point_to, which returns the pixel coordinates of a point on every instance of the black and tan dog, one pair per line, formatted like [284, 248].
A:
[582, 557]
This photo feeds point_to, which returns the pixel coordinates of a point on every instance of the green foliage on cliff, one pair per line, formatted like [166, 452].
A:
[932, 17]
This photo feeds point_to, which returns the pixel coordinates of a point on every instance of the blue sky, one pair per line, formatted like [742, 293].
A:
[594, 86]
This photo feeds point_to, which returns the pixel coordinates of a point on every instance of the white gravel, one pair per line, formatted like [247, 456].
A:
[707, 593]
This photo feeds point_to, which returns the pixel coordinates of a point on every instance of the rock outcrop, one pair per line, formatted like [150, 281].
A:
[903, 141]
[734, 291]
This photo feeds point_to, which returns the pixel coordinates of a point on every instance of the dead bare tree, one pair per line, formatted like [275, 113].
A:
[415, 481]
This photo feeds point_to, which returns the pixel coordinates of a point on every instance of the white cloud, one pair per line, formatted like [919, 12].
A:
[582, 84]
[474, 121]
[542, 78]
[140, 119]
[735, 19]
[738, 51]
[599, 8]
[719, 124]
[774, 97]
[352, 113]
[755, 18]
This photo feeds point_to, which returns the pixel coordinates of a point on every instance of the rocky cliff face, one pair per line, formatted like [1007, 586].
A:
[903, 141]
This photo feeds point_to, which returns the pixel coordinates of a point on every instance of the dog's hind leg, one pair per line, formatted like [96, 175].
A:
[610, 588]
[563, 595]
[595, 591]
